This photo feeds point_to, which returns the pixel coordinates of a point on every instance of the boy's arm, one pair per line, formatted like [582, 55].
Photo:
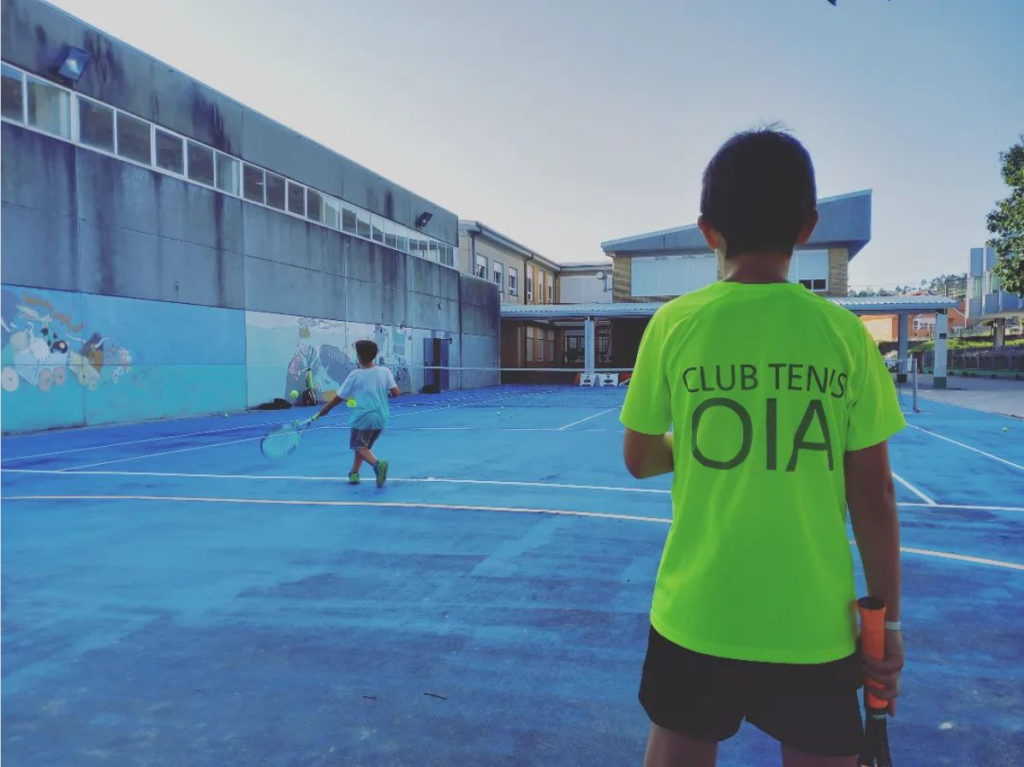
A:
[394, 391]
[647, 455]
[871, 496]
[328, 407]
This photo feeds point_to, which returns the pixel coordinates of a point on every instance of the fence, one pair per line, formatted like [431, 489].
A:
[1003, 361]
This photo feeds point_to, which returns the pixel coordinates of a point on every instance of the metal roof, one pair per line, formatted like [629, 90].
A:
[843, 221]
[857, 305]
[894, 304]
[563, 311]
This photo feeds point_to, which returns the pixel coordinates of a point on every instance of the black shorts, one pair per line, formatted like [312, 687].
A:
[358, 438]
[812, 708]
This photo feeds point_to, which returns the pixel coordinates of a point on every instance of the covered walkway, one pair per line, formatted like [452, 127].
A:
[607, 336]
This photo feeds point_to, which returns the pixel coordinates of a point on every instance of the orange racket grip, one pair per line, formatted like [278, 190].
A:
[872, 639]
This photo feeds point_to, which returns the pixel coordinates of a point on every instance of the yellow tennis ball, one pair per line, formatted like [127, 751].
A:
[350, 402]
[295, 394]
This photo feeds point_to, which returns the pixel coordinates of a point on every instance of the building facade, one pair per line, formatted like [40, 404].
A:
[658, 266]
[168, 251]
[986, 301]
[885, 328]
[522, 275]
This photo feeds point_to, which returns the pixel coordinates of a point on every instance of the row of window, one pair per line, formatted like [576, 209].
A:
[40, 104]
[537, 340]
[498, 278]
[982, 286]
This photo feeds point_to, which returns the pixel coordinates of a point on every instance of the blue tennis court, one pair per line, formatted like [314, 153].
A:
[171, 597]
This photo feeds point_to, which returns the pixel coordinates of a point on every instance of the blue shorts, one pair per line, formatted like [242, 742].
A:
[358, 438]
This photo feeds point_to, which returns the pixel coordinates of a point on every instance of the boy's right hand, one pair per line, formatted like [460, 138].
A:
[887, 671]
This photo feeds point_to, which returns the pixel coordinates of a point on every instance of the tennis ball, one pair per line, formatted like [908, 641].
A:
[225, 415]
[295, 394]
[1006, 428]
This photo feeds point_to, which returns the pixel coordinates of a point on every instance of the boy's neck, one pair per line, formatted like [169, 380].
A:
[757, 268]
[365, 365]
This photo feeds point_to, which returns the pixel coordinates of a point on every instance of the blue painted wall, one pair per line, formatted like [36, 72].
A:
[74, 359]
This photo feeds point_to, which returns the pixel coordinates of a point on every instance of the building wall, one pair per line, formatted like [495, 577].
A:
[33, 35]
[171, 298]
[583, 289]
[496, 251]
[838, 272]
[622, 278]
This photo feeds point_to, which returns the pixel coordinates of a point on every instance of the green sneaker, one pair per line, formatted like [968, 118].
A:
[381, 470]
[353, 479]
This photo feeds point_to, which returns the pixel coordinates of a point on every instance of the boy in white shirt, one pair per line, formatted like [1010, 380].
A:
[369, 386]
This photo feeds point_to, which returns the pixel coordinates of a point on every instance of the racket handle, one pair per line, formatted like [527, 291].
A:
[872, 640]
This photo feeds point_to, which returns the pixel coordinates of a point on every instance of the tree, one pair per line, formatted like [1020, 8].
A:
[1007, 222]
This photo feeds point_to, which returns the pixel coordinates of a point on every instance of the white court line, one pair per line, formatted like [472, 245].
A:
[969, 447]
[960, 506]
[433, 480]
[334, 478]
[345, 504]
[963, 558]
[164, 438]
[913, 489]
[584, 420]
[445, 507]
[157, 455]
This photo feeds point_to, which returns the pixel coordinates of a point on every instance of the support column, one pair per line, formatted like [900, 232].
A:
[589, 343]
[999, 331]
[902, 337]
[941, 347]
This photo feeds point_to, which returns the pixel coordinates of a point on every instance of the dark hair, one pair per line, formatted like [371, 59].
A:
[759, 191]
[366, 350]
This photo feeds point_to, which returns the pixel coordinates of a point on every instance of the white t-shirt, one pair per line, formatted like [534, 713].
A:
[369, 387]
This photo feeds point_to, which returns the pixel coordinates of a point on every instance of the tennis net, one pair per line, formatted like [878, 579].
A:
[510, 387]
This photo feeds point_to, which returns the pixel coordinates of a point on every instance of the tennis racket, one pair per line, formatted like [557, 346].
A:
[872, 637]
[282, 440]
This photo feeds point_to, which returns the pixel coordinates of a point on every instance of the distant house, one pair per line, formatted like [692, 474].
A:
[884, 328]
[985, 298]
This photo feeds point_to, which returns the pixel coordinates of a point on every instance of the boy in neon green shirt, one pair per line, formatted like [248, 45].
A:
[779, 406]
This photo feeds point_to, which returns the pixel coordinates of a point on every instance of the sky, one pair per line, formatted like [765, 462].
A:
[566, 124]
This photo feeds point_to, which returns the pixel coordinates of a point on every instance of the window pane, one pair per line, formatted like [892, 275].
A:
[819, 285]
[200, 163]
[11, 95]
[95, 125]
[296, 199]
[133, 139]
[170, 152]
[434, 250]
[363, 223]
[49, 108]
[348, 219]
[275, 191]
[403, 243]
[314, 206]
[391, 240]
[227, 173]
[253, 185]
[332, 212]
[377, 228]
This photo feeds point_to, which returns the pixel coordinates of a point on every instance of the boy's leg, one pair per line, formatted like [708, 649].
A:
[666, 748]
[365, 454]
[793, 758]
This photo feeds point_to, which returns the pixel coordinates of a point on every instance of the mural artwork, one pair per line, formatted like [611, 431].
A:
[43, 346]
[282, 349]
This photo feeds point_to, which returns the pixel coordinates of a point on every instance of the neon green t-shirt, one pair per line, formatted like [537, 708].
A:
[765, 387]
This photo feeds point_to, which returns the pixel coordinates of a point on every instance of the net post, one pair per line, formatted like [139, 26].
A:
[914, 365]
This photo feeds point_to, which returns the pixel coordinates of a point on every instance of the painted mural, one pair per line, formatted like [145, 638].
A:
[283, 348]
[45, 346]
[71, 359]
